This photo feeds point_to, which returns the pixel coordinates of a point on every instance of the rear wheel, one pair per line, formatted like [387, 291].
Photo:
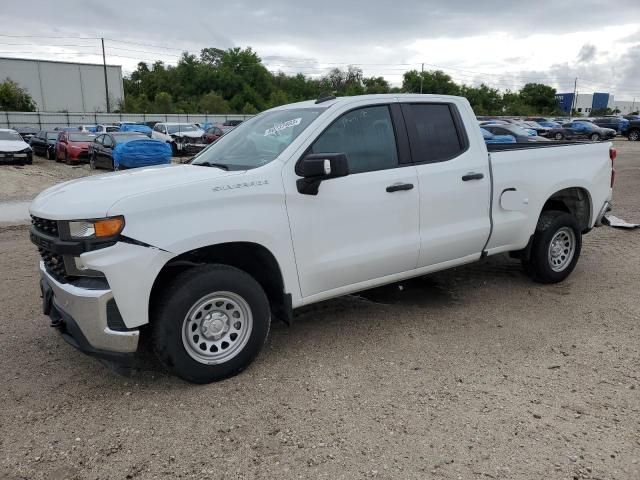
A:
[558, 136]
[595, 137]
[50, 154]
[210, 323]
[556, 247]
[92, 161]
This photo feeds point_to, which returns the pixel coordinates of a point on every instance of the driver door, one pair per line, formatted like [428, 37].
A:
[364, 226]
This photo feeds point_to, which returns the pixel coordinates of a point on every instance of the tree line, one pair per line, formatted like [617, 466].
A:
[235, 81]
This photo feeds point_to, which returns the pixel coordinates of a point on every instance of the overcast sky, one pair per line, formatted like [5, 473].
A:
[501, 43]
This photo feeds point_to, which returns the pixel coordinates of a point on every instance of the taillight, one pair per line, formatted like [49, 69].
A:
[613, 153]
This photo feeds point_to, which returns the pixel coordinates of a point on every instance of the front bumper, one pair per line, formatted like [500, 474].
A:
[15, 158]
[80, 314]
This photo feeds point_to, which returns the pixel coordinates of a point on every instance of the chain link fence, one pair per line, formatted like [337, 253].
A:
[51, 120]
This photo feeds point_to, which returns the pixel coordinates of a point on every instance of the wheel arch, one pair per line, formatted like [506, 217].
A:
[574, 200]
[252, 258]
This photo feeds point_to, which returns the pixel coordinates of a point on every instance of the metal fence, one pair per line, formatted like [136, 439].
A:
[51, 120]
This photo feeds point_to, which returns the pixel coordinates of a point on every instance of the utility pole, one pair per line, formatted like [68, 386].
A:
[574, 102]
[421, 77]
[106, 84]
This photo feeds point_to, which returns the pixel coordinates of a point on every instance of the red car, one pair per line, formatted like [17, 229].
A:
[212, 134]
[73, 147]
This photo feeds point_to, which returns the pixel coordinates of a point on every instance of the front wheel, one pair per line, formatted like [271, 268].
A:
[210, 323]
[92, 162]
[634, 135]
[558, 136]
[595, 137]
[556, 247]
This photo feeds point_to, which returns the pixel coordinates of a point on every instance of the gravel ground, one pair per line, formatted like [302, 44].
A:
[473, 373]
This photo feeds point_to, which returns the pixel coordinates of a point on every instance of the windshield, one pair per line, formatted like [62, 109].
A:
[181, 128]
[80, 137]
[259, 140]
[9, 136]
[52, 135]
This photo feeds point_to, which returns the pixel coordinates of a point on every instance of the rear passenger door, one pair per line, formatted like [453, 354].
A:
[453, 182]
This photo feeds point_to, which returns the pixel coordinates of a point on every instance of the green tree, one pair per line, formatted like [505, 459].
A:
[163, 103]
[541, 98]
[376, 85]
[249, 109]
[213, 103]
[434, 81]
[483, 99]
[14, 98]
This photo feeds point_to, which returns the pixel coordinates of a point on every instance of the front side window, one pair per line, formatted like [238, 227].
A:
[365, 136]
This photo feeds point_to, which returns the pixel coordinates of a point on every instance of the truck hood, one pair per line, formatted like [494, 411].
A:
[12, 145]
[91, 197]
[196, 134]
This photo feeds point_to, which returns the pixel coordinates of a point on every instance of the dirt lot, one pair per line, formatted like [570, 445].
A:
[474, 373]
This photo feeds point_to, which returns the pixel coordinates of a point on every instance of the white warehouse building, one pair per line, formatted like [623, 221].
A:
[586, 102]
[65, 86]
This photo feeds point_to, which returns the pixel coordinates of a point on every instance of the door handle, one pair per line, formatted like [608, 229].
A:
[472, 176]
[397, 187]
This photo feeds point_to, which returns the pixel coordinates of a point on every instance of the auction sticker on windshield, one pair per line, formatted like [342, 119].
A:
[282, 126]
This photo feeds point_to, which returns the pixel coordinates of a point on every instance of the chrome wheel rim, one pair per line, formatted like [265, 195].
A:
[562, 248]
[217, 327]
[634, 136]
[558, 136]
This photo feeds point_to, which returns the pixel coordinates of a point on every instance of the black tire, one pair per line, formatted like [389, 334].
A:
[92, 161]
[538, 266]
[558, 136]
[30, 160]
[634, 135]
[174, 149]
[181, 295]
[67, 160]
[50, 154]
[595, 137]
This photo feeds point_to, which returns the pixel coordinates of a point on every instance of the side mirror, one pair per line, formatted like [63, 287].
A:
[317, 167]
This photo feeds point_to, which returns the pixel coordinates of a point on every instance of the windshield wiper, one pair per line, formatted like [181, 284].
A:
[217, 165]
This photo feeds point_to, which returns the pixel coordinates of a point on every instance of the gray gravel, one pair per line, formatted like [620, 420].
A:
[474, 373]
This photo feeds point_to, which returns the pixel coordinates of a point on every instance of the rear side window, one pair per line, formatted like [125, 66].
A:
[435, 132]
[365, 135]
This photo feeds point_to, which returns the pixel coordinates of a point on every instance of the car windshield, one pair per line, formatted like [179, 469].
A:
[259, 140]
[52, 135]
[80, 137]
[8, 135]
[182, 128]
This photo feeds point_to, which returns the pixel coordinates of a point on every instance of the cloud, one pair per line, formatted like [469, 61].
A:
[587, 53]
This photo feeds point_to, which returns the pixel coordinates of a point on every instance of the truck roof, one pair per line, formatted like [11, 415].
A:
[360, 98]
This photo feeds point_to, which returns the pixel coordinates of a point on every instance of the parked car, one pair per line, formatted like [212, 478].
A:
[73, 147]
[44, 143]
[545, 122]
[13, 149]
[88, 128]
[619, 124]
[302, 203]
[490, 138]
[633, 130]
[26, 132]
[121, 150]
[136, 127]
[520, 134]
[631, 117]
[151, 123]
[232, 123]
[182, 137]
[582, 130]
[212, 134]
[536, 127]
[107, 128]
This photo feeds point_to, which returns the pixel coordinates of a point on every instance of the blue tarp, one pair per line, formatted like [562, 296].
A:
[141, 153]
[131, 127]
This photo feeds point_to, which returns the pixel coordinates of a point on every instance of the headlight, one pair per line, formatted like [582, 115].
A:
[102, 228]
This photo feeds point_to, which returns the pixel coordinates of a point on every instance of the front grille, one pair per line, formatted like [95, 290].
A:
[50, 227]
[54, 263]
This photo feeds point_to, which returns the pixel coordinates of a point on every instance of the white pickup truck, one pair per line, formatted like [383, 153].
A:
[302, 203]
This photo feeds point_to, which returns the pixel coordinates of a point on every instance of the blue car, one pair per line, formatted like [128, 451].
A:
[136, 127]
[491, 138]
